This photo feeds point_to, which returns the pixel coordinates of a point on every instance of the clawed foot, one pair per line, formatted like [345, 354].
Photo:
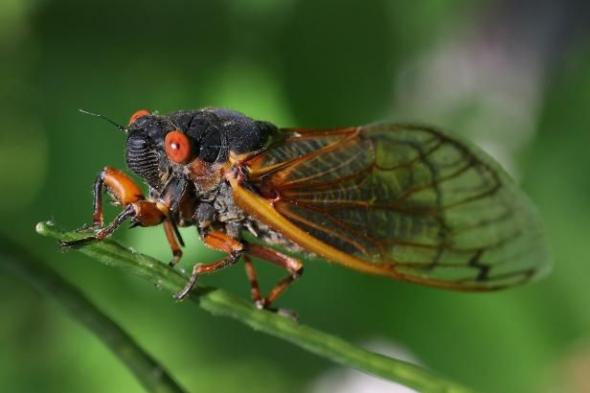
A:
[263, 304]
[174, 261]
[91, 229]
[184, 292]
[74, 244]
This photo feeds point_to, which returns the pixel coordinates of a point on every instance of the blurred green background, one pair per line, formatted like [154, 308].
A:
[512, 76]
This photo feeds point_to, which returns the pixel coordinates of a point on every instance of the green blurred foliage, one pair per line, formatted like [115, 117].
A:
[304, 63]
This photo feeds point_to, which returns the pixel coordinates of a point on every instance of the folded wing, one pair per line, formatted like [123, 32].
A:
[404, 201]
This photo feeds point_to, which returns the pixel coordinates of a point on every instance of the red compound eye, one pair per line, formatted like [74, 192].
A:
[138, 114]
[178, 147]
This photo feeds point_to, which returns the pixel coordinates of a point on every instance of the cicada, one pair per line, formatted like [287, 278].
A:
[402, 201]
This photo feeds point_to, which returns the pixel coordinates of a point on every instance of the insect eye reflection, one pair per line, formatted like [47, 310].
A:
[178, 147]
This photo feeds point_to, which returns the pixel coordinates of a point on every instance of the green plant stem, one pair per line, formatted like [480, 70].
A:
[16, 260]
[220, 302]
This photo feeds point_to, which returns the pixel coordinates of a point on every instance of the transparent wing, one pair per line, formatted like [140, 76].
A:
[405, 201]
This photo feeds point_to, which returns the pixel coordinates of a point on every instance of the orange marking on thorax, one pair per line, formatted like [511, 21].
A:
[207, 176]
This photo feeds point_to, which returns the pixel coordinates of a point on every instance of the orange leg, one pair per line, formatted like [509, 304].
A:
[251, 273]
[173, 238]
[217, 241]
[119, 185]
[292, 265]
[129, 195]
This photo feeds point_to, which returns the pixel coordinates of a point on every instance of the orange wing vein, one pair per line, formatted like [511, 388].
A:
[403, 201]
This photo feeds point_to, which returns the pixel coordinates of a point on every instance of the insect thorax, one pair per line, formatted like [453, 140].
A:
[217, 210]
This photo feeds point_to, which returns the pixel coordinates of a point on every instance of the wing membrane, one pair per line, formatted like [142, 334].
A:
[405, 201]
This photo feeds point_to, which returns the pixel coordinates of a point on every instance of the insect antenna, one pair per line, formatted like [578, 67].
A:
[101, 116]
